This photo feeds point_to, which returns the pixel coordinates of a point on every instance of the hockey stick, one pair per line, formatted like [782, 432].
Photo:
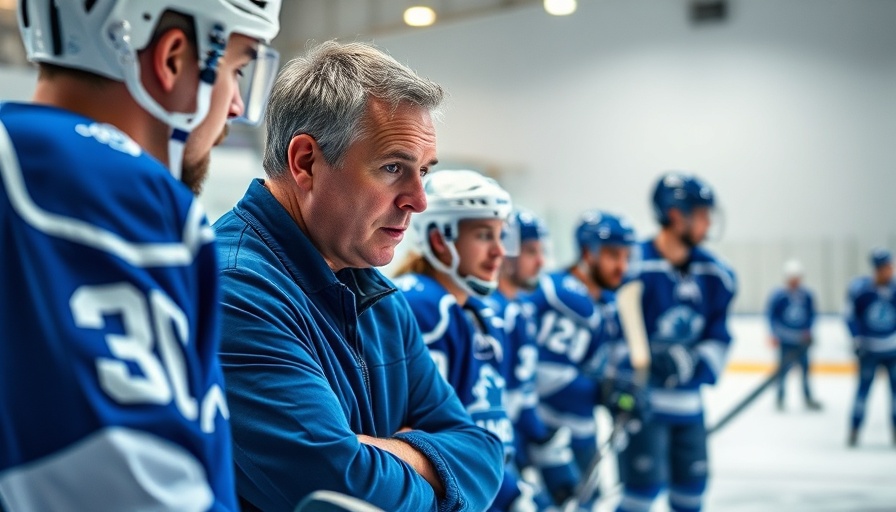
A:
[329, 501]
[628, 300]
[753, 395]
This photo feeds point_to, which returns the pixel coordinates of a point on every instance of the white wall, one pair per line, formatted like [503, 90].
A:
[788, 109]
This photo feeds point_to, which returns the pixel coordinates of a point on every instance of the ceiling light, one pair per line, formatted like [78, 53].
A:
[419, 16]
[560, 7]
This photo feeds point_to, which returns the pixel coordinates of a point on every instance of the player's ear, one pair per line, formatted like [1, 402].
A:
[675, 217]
[174, 59]
[437, 242]
[301, 155]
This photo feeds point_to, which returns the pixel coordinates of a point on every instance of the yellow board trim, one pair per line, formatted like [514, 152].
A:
[816, 368]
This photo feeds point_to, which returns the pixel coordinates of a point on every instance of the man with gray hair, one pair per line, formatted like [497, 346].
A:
[329, 383]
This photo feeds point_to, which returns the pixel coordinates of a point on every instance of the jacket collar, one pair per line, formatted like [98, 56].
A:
[280, 233]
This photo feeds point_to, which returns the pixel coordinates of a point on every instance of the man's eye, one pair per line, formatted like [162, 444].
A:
[392, 168]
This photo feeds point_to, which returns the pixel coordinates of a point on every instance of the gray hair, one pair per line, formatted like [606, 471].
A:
[325, 94]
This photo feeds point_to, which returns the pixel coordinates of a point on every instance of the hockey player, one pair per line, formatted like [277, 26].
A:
[791, 313]
[108, 305]
[460, 240]
[579, 335]
[871, 318]
[537, 444]
[676, 298]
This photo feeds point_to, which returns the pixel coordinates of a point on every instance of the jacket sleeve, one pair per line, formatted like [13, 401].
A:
[291, 433]
[468, 459]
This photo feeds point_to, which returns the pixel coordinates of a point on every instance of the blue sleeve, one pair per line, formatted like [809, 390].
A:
[810, 300]
[712, 350]
[771, 312]
[852, 322]
[467, 458]
[291, 433]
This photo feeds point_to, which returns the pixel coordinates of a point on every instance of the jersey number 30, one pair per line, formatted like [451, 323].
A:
[144, 322]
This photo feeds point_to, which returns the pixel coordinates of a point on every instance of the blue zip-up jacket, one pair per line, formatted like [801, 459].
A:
[312, 359]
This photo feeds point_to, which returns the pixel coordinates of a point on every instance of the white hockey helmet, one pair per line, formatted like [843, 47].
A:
[452, 196]
[104, 36]
[793, 269]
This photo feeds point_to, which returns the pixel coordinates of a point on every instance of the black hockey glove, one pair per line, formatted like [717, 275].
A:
[673, 366]
[625, 400]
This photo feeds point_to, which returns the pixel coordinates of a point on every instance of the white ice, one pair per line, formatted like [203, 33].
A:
[794, 460]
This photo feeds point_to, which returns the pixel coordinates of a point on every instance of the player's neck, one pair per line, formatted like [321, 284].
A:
[507, 288]
[111, 104]
[594, 290]
[671, 248]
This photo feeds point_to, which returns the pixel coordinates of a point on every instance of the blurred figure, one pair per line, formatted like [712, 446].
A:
[676, 299]
[580, 342]
[791, 313]
[460, 240]
[538, 445]
[871, 318]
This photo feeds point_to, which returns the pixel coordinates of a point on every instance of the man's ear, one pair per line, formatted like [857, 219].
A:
[301, 155]
[676, 216]
[172, 60]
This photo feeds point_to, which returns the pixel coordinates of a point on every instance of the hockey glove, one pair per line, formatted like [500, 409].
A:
[625, 400]
[673, 366]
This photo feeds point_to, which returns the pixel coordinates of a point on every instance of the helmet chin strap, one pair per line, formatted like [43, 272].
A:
[182, 123]
[471, 285]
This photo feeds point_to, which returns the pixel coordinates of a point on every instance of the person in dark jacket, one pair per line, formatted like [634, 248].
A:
[329, 383]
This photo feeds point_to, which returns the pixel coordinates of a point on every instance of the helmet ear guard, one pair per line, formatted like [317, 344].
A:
[453, 196]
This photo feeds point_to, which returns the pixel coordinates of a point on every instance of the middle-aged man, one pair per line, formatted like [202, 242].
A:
[329, 383]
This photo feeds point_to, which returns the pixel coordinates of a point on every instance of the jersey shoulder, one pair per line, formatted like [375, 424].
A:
[645, 259]
[565, 293]
[712, 266]
[860, 285]
[433, 307]
[107, 179]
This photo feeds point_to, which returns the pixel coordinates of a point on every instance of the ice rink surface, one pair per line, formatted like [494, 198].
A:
[794, 460]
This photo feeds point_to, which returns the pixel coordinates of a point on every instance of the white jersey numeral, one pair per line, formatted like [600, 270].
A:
[562, 336]
[157, 381]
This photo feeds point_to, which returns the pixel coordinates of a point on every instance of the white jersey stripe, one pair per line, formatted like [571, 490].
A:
[438, 331]
[149, 473]
[196, 231]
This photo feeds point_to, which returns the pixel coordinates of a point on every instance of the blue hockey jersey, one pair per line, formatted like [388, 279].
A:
[871, 315]
[518, 368]
[466, 342]
[111, 394]
[572, 352]
[791, 314]
[687, 306]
